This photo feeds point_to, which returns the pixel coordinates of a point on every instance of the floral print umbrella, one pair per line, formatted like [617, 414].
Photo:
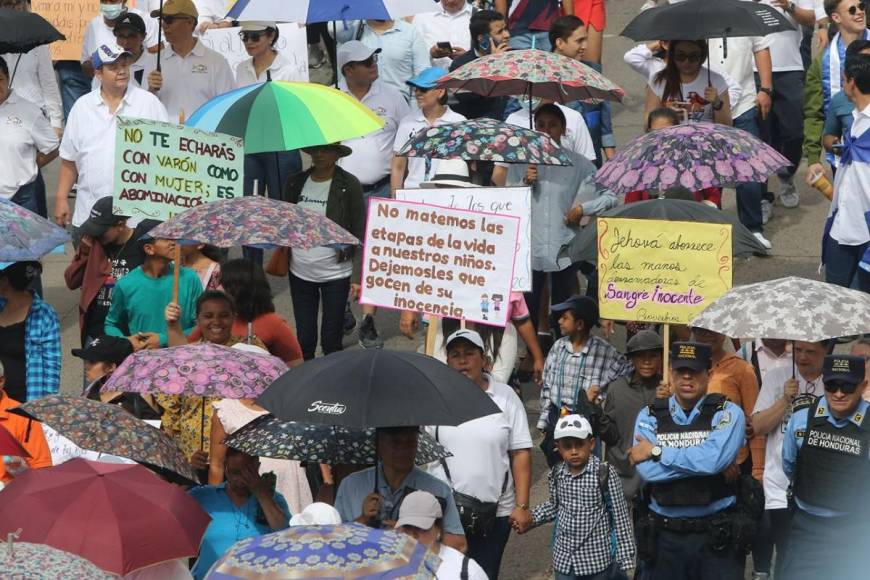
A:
[268, 436]
[201, 369]
[254, 221]
[343, 551]
[485, 140]
[107, 428]
[28, 560]
[533, 73]
[26, 236]
[789, 308]
[692, 155]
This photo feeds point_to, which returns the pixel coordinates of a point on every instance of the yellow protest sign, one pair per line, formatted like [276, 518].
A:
[661, 271]
[71, 18]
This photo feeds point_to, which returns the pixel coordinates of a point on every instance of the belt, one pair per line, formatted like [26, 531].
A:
[376, 185]
[688, 525]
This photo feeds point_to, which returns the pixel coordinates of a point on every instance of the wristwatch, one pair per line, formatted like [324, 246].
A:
[766, 91]
[656, 453]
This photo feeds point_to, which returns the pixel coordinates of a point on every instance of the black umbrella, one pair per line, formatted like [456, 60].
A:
[376, 388]
[697, 19]
[583, 247]
[23, 31]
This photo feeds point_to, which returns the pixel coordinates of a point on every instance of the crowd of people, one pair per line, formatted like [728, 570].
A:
[680, 471]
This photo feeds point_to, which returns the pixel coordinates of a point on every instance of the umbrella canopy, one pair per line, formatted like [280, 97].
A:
[343, 551]
[9, 445]
[533, 73]
[254, 221]
[584, 245]
[694, 19]
[376, 388]
[691, 155]
[309, 11]
[26, 236]
[485, 140]
[120, 517]
[202, 369]
[22, 31]
[268, 436]
[27, 560]
[789, 308]
[282, 115]
[107, 428]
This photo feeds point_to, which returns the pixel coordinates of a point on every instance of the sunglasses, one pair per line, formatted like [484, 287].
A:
[252, 36]
[845, 388]
[422, 90]
[856, 7]
[693, 57]
[170, 19]
[370, 61]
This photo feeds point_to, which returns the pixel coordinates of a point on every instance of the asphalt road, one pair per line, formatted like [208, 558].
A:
[795, 234]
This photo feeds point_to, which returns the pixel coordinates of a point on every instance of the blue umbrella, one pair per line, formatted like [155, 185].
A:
[343, 551]
[25, 236]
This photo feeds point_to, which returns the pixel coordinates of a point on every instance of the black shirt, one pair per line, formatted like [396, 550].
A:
[14, 362]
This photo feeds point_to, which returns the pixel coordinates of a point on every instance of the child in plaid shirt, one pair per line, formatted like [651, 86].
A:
[593, 538]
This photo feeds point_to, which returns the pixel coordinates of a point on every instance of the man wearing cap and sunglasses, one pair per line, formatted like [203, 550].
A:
[826, 456]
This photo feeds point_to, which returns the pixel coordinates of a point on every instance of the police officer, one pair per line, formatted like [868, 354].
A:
[685, 453]
[825, 456]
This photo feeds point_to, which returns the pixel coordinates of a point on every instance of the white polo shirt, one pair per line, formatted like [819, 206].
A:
[408, 127]
[373, 153]
[480, 450]
[440, 26]
[190, 81]
[281, 69]
[98, 33]
[89, 142]
[36, 81]
[576, 138]
[24, 131]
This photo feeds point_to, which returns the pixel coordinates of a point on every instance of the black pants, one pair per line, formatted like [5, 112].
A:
[561, 287]
[307, 297]
[682, 556]
[488, 550]
[775, 526]
[783, 129]
[827, 548]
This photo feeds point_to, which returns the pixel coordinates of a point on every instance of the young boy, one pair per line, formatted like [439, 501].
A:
[593, 537]
[578, 368]
[140, 297]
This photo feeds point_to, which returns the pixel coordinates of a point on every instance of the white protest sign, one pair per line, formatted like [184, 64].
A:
[439, 261]
[515, 201]
[291, 43]
[62, 450]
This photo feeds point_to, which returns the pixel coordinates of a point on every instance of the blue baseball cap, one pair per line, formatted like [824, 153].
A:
[107, 54]
[428, 79]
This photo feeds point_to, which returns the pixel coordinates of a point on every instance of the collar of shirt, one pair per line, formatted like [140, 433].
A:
[198, 50]
[761, 347]
[99, 101]
[569, 346]
[466, 9]
[373, 91]
[865, 112]
[11, 99]
[678, 414]
[857, 417]
[277, 63]
[447, 117]
[813, 387]
[565, 471]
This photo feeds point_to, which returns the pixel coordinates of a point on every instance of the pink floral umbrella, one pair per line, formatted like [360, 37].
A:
[693, 155]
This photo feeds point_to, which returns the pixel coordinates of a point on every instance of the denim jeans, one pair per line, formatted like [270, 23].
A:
[539, 40]
[27, 197]
[73, 83]
[841, 264]
[307, 298]
[488, 550]
[271, 171]
[749, 194]
[603, 575]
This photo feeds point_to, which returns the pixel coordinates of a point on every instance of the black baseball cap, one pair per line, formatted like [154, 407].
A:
[582, 306]
[130, 21]
[843, 368]
[111, 349]
[101, 218]
[691, 355]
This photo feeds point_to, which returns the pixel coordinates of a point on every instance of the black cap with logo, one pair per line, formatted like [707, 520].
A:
[690, 355]
[101, 218]
[843, 368]
[110, 349]
[130, 21]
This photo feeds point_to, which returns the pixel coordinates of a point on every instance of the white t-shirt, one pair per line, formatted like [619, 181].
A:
[98, 33]
[576, 138]
[190, 81]
[738, 66]
[451, 566]
[317, 264]
[775, 481]
[24, 131]
[694, 92]
[408, 127]
[480, 449]
[785, 47]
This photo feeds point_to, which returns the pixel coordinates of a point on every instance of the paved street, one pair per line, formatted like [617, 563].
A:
[795, 235]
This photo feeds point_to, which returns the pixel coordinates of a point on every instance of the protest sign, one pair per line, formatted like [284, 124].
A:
[291, 43]
[162, 169]
[661, 271]
[515, 201]
[71, 18]
[439, 261]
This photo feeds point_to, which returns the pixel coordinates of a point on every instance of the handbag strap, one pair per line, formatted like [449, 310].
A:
[443, 462]
[463, 574]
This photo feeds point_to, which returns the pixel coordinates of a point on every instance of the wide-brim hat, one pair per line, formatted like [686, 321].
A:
[451, 173]
[343, 150]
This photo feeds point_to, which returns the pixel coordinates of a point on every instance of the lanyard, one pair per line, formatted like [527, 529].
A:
[577, 381]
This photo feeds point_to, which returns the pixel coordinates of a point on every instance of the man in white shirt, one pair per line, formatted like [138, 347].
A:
[87, 150]
[446, 26]
[780, 396]
[100, 30]
[191, 73]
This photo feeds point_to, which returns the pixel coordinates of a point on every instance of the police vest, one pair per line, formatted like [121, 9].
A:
[695, 490]
[833, 468]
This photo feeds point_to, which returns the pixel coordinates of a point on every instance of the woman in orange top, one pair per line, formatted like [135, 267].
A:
[25, 431]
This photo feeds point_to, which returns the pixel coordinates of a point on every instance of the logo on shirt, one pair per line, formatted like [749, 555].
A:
[199, 69]
[327, 408]
[16, 121]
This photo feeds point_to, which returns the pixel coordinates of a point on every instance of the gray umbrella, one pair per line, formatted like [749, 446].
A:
[583, 247]
[788, 308]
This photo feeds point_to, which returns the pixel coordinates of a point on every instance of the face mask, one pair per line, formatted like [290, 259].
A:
[111, 11]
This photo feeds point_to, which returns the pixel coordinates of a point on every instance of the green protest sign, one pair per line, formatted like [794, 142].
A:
[162, 169]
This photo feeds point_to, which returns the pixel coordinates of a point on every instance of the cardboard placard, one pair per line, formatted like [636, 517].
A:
[71, 18]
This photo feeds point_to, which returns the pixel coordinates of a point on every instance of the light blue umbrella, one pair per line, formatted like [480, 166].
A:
[309, 11]
[25, 236]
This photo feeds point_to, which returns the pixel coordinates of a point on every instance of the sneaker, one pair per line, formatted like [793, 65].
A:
[315, 56]
[762, 240]
[368, 334]
[766, 211]
[788, 195]
[349, 320]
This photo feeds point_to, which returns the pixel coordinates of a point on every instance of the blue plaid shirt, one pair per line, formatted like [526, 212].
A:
[41, 349]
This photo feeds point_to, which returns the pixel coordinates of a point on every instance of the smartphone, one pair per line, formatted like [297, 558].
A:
[485, 43]
[837, 148]
[444, 46]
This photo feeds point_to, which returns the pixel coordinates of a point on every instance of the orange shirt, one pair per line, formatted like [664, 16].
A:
[34, 443]
[735, 378]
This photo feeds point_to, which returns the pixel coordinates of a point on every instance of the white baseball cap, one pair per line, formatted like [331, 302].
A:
[470, 335]
[419, 509]
[317, 514]
[354, 51]
[572, 426]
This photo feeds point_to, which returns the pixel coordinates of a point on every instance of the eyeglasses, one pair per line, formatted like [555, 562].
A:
[252, 36]
[370, 61]
[692, 57]
[845, 388]
[856, 7]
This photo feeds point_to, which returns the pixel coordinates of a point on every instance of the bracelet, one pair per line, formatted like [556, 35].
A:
[523, 506]
[766, 91]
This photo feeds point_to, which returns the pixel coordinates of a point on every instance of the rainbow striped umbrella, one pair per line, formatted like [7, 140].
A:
[282, 116]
